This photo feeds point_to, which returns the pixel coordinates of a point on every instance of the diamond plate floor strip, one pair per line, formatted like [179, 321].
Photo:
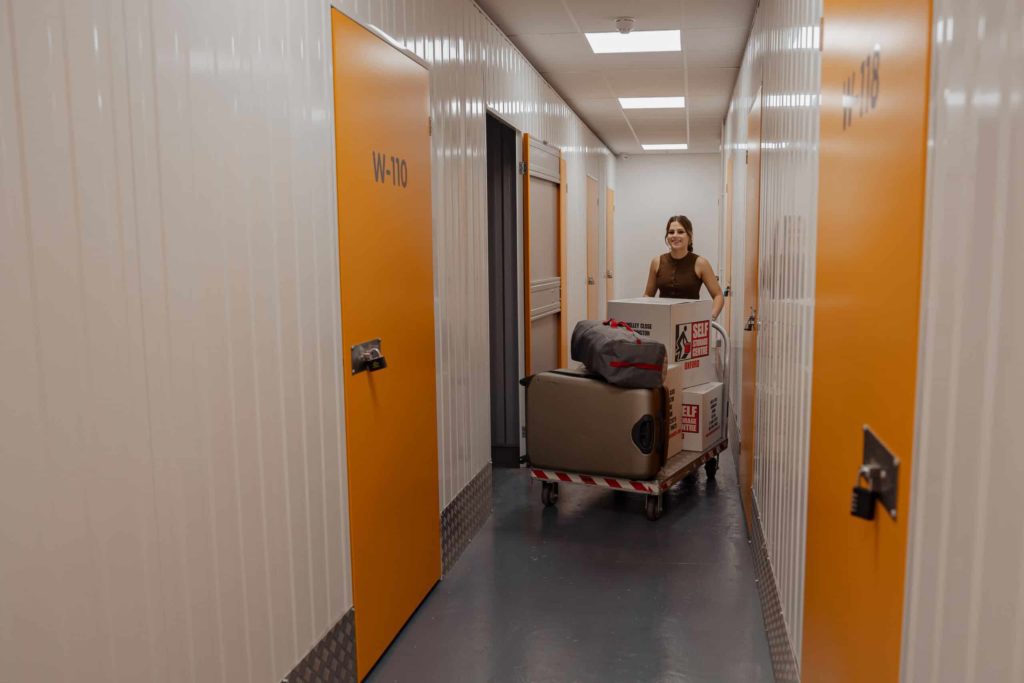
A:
[333, 659]
[464, 516]
[784, 662]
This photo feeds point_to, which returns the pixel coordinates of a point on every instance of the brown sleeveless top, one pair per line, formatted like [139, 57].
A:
[677, 278]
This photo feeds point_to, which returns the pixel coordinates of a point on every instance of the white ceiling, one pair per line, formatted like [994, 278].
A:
[714, 33]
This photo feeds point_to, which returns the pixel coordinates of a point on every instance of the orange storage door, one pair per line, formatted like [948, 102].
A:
[870, 225]
[382, 109]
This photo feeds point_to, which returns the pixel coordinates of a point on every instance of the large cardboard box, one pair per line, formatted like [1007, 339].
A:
[695, 416]
[682, 325]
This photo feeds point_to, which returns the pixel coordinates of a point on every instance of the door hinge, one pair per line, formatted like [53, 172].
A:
[522, 168]
[746, 157]
[430, 125]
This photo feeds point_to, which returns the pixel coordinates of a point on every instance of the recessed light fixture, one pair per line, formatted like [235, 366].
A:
[637, 41]
[664, 147]
[652, 102]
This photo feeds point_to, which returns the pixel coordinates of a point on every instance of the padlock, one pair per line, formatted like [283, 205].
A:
[862, 501]
[374, 360]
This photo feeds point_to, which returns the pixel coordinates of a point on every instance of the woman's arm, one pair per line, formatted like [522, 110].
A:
[707, 274]
[652, 279]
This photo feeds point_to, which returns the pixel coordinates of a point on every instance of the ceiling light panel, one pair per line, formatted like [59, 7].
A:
[652, 102]
[664, 147]
[637, 41]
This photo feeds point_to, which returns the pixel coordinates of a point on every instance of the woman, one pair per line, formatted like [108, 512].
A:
[679, 273]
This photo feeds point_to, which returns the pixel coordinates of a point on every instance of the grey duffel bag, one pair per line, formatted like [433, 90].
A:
[622, 357]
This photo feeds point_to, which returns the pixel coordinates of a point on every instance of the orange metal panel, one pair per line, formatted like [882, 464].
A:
[870, 226]
[381, 103]
[748, 415]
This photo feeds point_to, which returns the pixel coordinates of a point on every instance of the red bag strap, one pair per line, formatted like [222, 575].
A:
[613, 323]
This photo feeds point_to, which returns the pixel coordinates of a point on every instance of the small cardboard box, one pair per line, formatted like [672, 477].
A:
[682, 325]
[695, 416]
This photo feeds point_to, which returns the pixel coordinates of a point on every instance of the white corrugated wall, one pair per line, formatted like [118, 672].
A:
[782, 58]
[964, 617]
[474, 67]
[170, 507]
[172, 494]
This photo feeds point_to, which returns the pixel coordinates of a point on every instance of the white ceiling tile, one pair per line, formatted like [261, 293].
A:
[661, 131]
[516, 17]
[650, 15]
[647, 82]
[718, 13]
[580, 84]
[724, 39]
[571, 52]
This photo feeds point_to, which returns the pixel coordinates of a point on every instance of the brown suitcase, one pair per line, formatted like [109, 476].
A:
[577, 422]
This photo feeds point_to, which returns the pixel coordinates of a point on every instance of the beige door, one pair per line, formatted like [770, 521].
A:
[609, 248]
[750, 277]
[392, 473]
[545, 335]
[593, 249]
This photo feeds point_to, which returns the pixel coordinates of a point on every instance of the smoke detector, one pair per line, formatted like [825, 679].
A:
[625, 24]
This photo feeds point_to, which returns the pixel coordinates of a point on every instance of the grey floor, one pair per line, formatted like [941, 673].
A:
[592, 591]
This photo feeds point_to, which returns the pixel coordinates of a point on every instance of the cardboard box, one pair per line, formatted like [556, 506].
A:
[682, 325]
[695, 417]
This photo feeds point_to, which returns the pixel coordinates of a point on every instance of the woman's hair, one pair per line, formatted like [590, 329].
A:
[687, 226]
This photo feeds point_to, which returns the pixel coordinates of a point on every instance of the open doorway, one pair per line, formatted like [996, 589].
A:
[503, 281]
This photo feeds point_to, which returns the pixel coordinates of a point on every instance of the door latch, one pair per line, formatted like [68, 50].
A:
[368, 357]
[880, 470]
[752, 321]
[590, 280]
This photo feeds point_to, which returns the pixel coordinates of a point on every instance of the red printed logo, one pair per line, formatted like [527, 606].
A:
[693, 340]
[690, 418]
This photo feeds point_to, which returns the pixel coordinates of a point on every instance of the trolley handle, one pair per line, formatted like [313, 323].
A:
[725, 366]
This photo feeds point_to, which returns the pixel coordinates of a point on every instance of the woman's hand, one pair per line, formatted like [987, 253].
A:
[707, 274]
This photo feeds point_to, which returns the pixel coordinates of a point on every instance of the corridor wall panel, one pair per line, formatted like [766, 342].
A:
[964, 616]
[782, 57]
[173, 499]
[172, 476]
[473, 68]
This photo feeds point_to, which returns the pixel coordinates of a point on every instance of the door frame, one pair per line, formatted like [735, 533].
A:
[597, 245]
[511, 278]
[563, 188]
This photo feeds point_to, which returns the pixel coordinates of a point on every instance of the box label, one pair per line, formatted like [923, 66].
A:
[692, 340]
[690, 418]
[713, 422]
[642, 329]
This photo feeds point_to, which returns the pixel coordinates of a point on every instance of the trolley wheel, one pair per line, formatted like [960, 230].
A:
[690, 479]
[549, 493]
[652, 507]
[711, 467]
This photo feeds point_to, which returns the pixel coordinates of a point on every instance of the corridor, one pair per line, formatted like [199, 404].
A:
[589, 591]
[304, 303]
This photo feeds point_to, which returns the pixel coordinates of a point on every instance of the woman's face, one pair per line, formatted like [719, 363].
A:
[677, 238]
